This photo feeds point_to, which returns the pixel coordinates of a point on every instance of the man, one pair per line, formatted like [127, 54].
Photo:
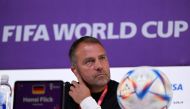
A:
[94, 89]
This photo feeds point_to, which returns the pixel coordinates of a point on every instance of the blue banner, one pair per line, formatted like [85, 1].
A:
[38, 34]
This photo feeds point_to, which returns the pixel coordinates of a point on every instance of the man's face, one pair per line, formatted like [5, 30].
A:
[92, 64]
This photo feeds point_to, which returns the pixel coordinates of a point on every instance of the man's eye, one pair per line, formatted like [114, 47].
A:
[102, 58]
[89, 62]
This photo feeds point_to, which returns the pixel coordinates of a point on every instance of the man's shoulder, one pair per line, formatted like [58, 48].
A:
[112, 86]
[113, 83]
[111, 97]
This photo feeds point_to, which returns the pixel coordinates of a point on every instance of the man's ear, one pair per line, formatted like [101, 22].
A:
[76, 73]
[74, 70]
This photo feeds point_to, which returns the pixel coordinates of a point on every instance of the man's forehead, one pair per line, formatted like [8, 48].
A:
[89, 49]
[89, 46]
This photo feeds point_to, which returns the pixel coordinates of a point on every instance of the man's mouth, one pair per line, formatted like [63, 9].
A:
[101, 75]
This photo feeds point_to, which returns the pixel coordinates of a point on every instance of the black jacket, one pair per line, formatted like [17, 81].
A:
[109, 102]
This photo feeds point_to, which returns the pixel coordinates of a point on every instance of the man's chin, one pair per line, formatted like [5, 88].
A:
[102, 82]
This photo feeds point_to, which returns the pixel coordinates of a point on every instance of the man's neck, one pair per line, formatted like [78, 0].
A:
[97, 89]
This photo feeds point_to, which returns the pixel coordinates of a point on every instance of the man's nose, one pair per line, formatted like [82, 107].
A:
[98, 65]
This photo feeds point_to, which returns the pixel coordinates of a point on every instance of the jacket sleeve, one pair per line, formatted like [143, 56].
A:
[89, 103]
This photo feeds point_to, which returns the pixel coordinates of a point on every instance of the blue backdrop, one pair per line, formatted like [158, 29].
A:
[38, 34]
